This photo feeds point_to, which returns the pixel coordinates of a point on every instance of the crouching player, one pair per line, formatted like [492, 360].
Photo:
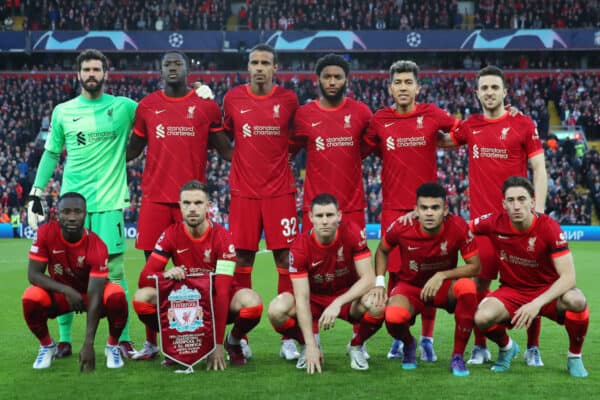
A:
[77, 281]
[429, 275]
[332, 276]
[537, 276]
[198, 245]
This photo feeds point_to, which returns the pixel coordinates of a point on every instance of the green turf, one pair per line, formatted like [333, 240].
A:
[267, 376]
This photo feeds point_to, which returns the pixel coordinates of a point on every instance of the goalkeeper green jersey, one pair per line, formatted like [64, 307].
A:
[94, 134]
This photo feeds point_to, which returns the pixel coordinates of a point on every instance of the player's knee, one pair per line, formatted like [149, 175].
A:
[464, 286]
[145, 295]
[574, 300]
[37, 295]
[280, 307]
[484, 318]
[397, 315]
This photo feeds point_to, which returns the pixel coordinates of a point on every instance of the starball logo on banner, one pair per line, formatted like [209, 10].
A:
[185, 317]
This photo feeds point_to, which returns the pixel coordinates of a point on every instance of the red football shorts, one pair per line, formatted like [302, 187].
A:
[394, 258]
[487, 256]
[513, 299]
[358, 217]
[277, 216]
[153, 220]
[413, 293]
[319, 302]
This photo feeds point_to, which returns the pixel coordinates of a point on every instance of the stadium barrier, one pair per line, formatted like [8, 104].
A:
[573, 233]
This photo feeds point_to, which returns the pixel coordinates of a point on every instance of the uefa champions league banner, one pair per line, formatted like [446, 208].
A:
[186, 319]
[345, 41]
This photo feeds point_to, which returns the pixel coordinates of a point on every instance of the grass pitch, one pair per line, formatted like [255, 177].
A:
[267, 376]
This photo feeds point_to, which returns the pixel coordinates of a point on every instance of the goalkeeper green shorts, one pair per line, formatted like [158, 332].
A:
[110, 226]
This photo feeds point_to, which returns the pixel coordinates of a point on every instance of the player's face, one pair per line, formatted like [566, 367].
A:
[404, 89]
[491, 92]
[71, 215]
[92, 76]
[325, 219]
[174, 69]
[519, 204]
[261, 67]
[332, 82]
[193, 205]
[431, 212]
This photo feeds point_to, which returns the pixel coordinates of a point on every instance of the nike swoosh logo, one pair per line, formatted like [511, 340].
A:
[77, 119]
[316, 263]
[245, 111]
[316, 124]
[290, 240]
[476, 132]
[159, 111]
[57, 251]
[502, 237]
[410, 248]
[181, 251]
[389, 124]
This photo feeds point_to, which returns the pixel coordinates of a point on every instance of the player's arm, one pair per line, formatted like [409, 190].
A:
[469, 270]
[566, 281]
[365, 282]
[381, 260]
[135, 146]
[445, 141]
[37, 277]
[304, 315]
[223, 280]
[35, 211]
[220, 141]
[540, 181]
[155, 265]
[95, 292]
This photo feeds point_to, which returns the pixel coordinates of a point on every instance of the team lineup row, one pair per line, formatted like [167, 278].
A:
[176, 126]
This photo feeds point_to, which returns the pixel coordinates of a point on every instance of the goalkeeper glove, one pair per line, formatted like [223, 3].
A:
[35, 211]
[204, 91]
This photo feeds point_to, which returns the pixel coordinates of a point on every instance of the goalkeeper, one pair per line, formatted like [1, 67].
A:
[93, 128]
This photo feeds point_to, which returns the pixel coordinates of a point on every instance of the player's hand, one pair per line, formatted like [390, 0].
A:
[379, 296]
[329, 316]
[432, 286]
[87, 358]
[176, 273]
[314, 359]
[203, 91]
[407, 219]
[75, 300]
[525, 315]
[512, 110]
[216, 360]
[35, 211]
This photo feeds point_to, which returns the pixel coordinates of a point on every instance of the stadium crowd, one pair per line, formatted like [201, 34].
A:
[301, 14]
[574, 175]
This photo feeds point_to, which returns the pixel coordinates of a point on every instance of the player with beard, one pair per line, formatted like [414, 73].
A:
[331, 129]
[259, 115]
[77, 280]
[93, 129]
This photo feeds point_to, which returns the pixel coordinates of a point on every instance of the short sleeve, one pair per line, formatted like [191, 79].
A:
[98, 259]
[39, 248]
[140, 128]
[215, 117]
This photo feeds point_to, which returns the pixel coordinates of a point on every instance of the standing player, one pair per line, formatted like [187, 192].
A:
[177, 126]
[198, 245]
[332, 275]
[77, 281]
[500, 145]
[429, 275]
[537, 276]
[93, 128]
[332, 130]
[407, 135]
[261, 181]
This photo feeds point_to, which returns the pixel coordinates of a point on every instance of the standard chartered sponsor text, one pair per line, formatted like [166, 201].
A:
[340, 141]
[411, 141]
[492, 152]
[265, 130]
[180, 131]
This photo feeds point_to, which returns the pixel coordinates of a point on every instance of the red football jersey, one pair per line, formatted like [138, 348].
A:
[196, 255]
[525, 257]
[177, 131]
[261, 130]
[70, 263]
[498, 148]
[330, 269]
[408, 147]
[423, 254]
[332, 138]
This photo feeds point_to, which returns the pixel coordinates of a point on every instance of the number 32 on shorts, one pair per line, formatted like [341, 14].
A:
[290, 226]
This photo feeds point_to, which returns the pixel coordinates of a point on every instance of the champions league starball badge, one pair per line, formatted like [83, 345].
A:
[185, 312]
